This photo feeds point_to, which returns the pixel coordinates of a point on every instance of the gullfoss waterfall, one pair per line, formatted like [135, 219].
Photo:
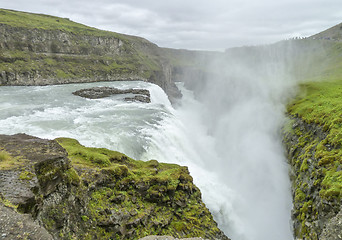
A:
[227, 133]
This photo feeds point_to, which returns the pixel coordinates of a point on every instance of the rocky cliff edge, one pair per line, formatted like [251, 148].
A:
[59, 189]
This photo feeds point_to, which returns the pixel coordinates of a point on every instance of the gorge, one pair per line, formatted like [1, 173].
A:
[227, 128]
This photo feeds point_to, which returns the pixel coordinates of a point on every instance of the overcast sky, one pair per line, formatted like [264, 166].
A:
[196, 24]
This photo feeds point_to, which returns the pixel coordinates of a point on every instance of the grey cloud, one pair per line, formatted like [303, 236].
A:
[197, 24]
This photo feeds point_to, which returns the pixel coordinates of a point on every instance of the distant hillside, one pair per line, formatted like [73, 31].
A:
[37, 49]
[333, 33]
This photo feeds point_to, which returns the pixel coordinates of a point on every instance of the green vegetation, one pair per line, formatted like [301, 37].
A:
[315, 138]
[4, 156]
[332, 185]
[321, 103]
[26, 175]
[57, 50]
[89, 157]
[46, 22]
[154, 198]
[9, 162]
[8, 203]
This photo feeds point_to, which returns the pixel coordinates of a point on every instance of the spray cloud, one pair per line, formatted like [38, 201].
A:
[241, 103]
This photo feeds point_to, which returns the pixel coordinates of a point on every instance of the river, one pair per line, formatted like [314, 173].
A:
[229, 139]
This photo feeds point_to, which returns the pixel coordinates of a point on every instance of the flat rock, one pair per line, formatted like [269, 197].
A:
[139, 95]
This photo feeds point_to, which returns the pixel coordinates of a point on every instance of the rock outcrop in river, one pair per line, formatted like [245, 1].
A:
[138, 95]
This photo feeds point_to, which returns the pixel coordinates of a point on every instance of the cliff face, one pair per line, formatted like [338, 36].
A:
[41, 50]
[89, 193]
[313, 139]
[315, 191]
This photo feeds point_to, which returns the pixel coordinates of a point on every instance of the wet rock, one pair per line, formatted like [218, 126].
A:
[138, 98]
[139, 95]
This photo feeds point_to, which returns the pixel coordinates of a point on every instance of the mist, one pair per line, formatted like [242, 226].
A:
[241, 105]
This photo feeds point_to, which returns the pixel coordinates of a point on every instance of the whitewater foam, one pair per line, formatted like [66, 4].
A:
[229, 184]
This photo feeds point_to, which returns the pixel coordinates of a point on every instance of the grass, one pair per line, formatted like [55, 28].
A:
[90, 157]
[116, 163]
[321, 104]
[144, 191]
[4, 156]
[79, 58]
[72, 67]
[47, 22]
[8, 162]
[316, 159]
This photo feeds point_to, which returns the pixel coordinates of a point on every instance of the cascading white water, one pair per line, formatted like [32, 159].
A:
[228, 137]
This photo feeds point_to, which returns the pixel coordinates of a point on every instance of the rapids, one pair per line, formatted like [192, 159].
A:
[232, 150]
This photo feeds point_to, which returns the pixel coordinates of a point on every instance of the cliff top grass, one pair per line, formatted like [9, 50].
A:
[320, 102]
[46, 22]
[155, 198]
[319, 98]
[121, 165]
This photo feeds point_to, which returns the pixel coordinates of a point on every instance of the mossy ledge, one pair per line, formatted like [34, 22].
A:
[76, 192]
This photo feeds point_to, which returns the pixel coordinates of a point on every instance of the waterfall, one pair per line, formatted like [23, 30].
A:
[226, 132]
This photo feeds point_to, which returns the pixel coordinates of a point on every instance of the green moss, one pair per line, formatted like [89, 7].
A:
[7, 161]
[8, 203]
[4, 156]
[300, 195]
[332, 185]
[83, 156]
[162, 196]
[85, 218]
[26, 175]
[72, 176]
[46, 22]
[304, 165]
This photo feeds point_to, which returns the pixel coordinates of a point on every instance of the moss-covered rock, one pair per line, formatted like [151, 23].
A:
[131, 199]
[316, 185]
[76, 192]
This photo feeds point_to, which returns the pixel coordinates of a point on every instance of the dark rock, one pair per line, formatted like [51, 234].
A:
[125, 200]
[20, 226]
[311, 213]
[140, 95]
[138, 98]
[118, 199]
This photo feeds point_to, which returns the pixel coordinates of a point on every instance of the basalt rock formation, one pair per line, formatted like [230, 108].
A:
[317, 197]
[63, 190]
